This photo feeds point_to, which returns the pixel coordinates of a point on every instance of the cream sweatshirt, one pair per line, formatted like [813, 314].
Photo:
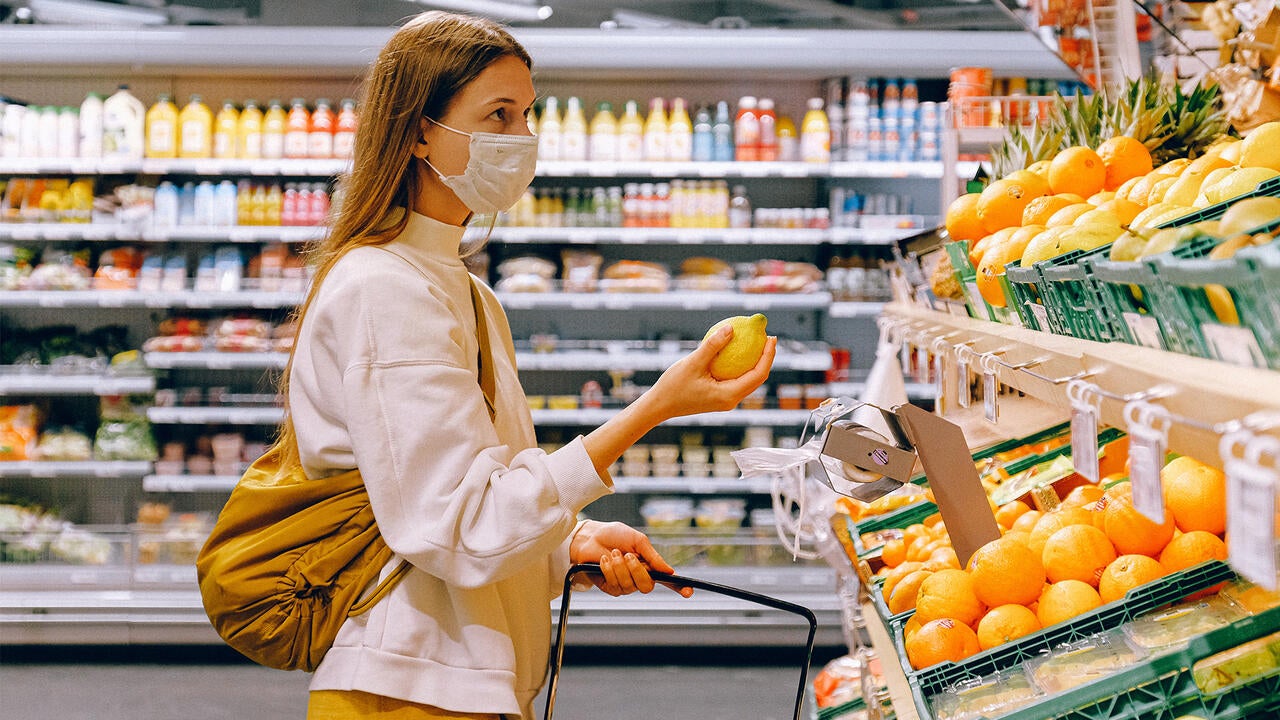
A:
[385, 378]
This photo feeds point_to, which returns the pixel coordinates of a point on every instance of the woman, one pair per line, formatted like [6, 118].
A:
[386, 377]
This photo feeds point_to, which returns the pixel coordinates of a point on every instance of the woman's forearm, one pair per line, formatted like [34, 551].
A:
[606, 443]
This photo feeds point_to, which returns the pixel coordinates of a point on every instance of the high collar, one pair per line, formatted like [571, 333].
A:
[439, 240]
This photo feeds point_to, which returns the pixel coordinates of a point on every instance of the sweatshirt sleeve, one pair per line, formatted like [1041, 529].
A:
[448, 495]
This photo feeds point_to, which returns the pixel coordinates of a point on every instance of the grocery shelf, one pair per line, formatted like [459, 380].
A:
[189, 483]
[215, 415]
[203, 166]
[597, 416]
[28, 381]
[621, 484]
[598, 169]
[109, 232]
[674, 300]
[661, 235]
[262, 299]
[850, 309]
[817, 361]
[75, 469]
[215, 360]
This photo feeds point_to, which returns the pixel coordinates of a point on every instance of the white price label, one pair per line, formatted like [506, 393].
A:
[1251, 522]
[964, 397]
[1235, 345]
[922, 366]
[976, 300]
[1146, 458]
[1084, 442]
[1145, 329]
[990, 410]
[904, 358]
[1041, 315]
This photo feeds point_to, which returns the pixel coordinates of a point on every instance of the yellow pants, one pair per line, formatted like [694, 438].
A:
[354, 704]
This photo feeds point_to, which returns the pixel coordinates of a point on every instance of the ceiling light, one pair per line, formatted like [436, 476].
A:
[499, 9]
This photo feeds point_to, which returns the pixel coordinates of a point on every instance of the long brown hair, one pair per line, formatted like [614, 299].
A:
[418, 72]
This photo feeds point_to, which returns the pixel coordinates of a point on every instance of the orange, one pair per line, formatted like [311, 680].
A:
[1083, 496]
[1004, 623]
[903, 596]
[1006, 572]
[1123, 208]
[894, 553]
[913, 532]
[895, 575]
[1065, 600]
[1192, 548]
[949, 594]
[1126, 573]
[1002, 202]
[1124, 158]
[1019, 536]
[987, 242]
[910, 627]
[942, 559]
[1054, 521]
[1027, 522]
[1077, 552]
[1196, 494]
[992, 268]
[1132, 532]
[1036, 185]
[1078, 170]
[1011, 511]
[962, 218]
[941, 640]
[1039, 210]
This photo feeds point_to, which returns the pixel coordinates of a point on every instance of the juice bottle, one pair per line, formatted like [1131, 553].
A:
[320, 131]
[226, 131]
[91, 126]
[249, 133]
[631, 134]
[550, 131]
[679, 133]
[768, 131]
[604, 134]
[289, 205]
[47, 137]
[68, 132]
[344, 133]
[655, 132]
[815, 134]
[162, 129]
[702, 141]
[195, 130]
[746, 130]
[244, 203]
[573, 133]
[297, 130]
[722, 134]
[788, 140]
[273, 127]
[123, 123]
[272, 205]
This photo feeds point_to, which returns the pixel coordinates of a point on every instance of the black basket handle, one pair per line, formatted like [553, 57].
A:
[557, 652]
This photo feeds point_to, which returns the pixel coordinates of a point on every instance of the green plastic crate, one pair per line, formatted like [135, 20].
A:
[966, 275]
[1071, 291]
[1022, 288]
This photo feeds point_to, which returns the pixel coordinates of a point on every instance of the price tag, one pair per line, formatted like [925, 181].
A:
[922, 366]
[1145, 329]
[1235, 345]
[978, 302]
[1251, 521]
[990, 386]
[1084, 442]
[964, 394]
[1041, 315]
[1146, 458]
[904, 358]
[945, 376]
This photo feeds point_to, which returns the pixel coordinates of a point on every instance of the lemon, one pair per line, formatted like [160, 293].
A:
[1261, 148]
[1128, 247]
[1248, 214]
[744, 350]
[1099, 216]
[1068, 214]
[1088, 237]
[1167, 239]
[1043, 246]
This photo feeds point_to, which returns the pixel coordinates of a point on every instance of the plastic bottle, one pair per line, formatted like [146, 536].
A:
[679, 133]
[273, 129]
[815, 134]
[550, 131]
[319, 206]
[203, 214]
[224, 204]
[48, 132]
[258, 205]
[297, 130]
[631, 134]
[244, 203]
[29, 133]
[68, 132]
[320, 131]
[835, 118]
[162, 128]
[856, 128]
[11, 131]
[739, 208]
[165, 206]
[573, 132]
[289, 205]
[344, 132]
[272, 205]
[746, 130]
[788, 140]
[722, 134]
[91, 127]
[768, 131]
[702, 149]
[226, 131]
[249, 132]
[603, 146]
[123, 118]
[195, 130]
[655, 132]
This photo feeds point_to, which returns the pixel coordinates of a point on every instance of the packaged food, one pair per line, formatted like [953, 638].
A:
[721, 518]
[1082, 662]
[1249, 597]
[1238, 665]
[1171, 628]
[526, 273]
[636, 276]
[18, 432]
[989, 696]
[581, 270]
[667, 513]
[778, 276]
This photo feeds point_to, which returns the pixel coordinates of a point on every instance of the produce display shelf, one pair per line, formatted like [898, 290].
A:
[75, 469]
[22, 381]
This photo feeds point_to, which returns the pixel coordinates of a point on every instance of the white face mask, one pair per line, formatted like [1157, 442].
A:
[500, 169]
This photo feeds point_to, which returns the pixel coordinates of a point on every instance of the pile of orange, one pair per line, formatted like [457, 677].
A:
[1049, 567]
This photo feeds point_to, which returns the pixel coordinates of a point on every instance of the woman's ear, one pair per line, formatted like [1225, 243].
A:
[420, 148]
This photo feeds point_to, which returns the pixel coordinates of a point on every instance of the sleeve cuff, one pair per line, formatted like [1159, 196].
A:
[575, 476]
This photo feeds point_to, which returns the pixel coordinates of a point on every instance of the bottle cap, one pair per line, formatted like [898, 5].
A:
[747, 101]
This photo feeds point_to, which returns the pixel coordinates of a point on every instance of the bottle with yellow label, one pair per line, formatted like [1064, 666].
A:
[273, 128]
[603, 145]
[679, 133]
[162, 129]
[655, 132]
[226, 129]
[195, 130]
[631, 134]
[249, 132]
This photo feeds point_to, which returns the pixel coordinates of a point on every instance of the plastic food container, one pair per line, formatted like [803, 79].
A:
[722, 518]
[696, 454]
[766, 547]
[1082, 662]
[989, 696]
[663, 513]
[635, 469]
[1229, 668]
[665, 454]
[563, 402]
[755, 401]
[790, 397]
[636, 453]
[1170, 629]
[666, 469]
[1251, 598]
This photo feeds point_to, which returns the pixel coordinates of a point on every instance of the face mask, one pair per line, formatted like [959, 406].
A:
[500, 169]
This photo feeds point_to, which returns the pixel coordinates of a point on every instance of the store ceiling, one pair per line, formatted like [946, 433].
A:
[649, 14]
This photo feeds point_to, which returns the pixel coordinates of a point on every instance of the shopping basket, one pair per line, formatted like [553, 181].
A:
[676, 581]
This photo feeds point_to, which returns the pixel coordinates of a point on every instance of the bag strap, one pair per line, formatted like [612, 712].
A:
[488, 376]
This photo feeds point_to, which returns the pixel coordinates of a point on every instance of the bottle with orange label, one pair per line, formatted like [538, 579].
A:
[297, 130]
[344, 132]
[226, 129]
[195, 130]
[746, 130]
[320, 133]
[249, 132]
[162, 129]
[273, 128]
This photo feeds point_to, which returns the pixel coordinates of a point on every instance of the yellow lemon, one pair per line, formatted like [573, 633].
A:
[744, 350]
[1236, 183]
[1261, 148]
[1248, 214]
[1099, 216]
[1068, 214]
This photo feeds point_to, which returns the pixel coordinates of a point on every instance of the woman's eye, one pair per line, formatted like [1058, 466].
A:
[500, 114]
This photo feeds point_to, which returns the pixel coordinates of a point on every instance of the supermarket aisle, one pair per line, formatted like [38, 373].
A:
[239, 691]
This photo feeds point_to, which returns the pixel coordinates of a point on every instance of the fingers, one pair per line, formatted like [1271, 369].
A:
[652, 557]
[618, 573]
[714, 344]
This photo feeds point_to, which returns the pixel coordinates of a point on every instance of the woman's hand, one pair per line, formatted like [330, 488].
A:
[625, 556]
[688, 388]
